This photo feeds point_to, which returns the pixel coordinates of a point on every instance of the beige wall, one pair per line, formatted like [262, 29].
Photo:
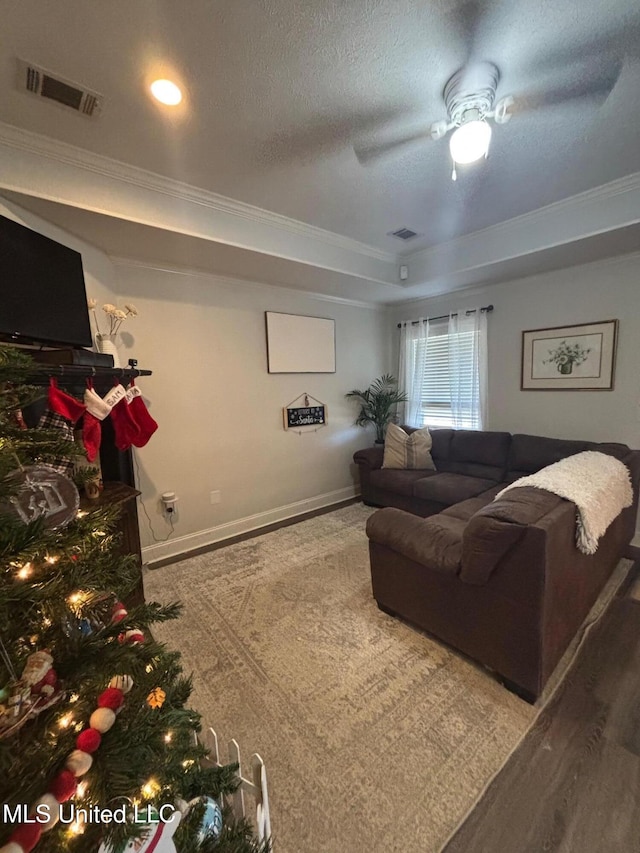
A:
[220, 411]
[600, 291]
[99, 273]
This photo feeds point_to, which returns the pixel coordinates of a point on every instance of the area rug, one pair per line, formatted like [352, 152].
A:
[375, 737]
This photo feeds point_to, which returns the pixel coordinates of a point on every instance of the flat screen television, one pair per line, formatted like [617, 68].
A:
[42, 292]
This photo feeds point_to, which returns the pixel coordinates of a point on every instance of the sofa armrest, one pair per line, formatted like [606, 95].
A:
[493, 531]
[370, 457]
[435, 542]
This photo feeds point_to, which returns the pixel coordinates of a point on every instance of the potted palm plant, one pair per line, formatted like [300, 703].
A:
[378, 404]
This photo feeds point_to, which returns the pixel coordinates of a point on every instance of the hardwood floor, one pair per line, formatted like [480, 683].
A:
[573, 784]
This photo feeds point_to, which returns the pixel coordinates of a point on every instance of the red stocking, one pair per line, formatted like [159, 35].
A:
[124, 426]
[62, 411]
[146, 424]
[63, 404]
[97, 411]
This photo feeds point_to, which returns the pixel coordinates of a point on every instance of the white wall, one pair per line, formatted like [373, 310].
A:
[220, 411]
[600, 291]
[99, 272]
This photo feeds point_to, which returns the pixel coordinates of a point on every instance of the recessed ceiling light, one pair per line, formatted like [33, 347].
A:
[166, 92]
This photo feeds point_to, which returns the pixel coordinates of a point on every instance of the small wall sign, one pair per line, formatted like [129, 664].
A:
[304, 414]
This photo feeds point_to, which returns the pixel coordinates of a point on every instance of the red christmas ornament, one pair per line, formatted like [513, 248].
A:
[26, 835]
[63, 786]
[134, 636]
[89, 740]
[111, 698]
[119, 612]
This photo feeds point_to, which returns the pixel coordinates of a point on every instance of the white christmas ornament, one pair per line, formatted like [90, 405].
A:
[11, 847]
[79, 762]
[102, 719]
[53, 808]
[122, 682]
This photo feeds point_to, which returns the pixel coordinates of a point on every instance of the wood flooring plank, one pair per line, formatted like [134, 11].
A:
[573, 784]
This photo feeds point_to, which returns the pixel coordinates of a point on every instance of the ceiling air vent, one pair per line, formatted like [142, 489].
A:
[403, 234]
[44, 84]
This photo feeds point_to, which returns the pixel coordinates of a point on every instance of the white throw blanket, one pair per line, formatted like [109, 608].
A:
[598, 484]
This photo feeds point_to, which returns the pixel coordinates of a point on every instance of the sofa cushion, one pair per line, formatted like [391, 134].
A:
[450, 488]
[479, 454]
[400, 482]
[612, 448]
[491, 533]
[434, 542]
[465, 509]
[407, 452]
[530, 453]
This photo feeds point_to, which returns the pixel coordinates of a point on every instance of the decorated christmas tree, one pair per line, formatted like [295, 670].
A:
[98, 750]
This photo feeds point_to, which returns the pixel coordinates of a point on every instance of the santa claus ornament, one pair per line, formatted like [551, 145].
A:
[26, 697]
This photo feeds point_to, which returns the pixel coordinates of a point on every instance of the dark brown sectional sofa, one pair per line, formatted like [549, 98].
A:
[500, 580]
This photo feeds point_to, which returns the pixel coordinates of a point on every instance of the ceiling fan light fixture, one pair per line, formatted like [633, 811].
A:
[470, 141]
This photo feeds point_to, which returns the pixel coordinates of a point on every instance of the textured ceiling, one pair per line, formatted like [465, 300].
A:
[279, 92]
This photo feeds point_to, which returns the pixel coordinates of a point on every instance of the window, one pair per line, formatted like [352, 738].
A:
[444, 372]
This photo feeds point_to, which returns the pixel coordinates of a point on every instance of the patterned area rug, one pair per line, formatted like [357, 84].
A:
[374, 736]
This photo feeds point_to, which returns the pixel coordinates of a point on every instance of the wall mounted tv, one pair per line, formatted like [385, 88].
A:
[42, 292]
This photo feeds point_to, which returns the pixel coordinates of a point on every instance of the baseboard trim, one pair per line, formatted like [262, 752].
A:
[173, 550]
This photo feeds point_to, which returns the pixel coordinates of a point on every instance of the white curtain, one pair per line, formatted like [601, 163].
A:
[443, 370]
[410, 374]
[468, 368]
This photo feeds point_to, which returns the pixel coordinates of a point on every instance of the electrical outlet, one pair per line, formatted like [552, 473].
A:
[216, 497]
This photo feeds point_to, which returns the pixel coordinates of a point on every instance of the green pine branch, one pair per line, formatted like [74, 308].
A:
[50, 582]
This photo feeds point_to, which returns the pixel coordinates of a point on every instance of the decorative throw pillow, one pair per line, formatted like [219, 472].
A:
[407, 451]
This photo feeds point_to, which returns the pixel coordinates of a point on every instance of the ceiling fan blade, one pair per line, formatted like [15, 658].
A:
[369, 152]
[614, 44]
[584, 88]
[324, 135]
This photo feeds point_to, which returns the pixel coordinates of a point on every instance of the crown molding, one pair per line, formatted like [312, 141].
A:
[71, 155]
[472, 289]
[233, 281]
[502, 231]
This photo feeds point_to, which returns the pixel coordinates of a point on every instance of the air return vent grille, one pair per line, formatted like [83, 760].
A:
[44, 84]
[403, 234]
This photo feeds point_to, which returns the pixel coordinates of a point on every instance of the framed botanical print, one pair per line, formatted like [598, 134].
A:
[570, 358]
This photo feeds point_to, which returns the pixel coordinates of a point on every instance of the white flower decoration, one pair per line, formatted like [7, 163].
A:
[116, 315]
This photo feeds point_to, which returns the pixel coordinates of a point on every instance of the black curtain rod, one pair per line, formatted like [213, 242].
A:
[487, 308]
[41, 373]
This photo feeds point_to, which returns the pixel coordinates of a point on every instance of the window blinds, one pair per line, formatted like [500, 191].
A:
[449, 387]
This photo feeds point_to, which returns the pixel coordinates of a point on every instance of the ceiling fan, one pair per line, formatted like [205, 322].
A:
[469, 97]
[470, 100]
